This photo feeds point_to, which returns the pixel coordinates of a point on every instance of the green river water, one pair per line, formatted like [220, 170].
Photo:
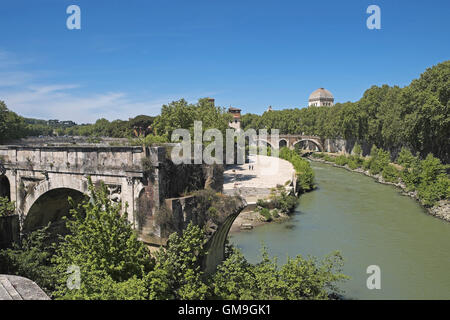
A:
[370, 224]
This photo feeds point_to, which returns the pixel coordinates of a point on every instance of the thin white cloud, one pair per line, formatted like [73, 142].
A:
[57, 102]
[14, 78]
[25, 94]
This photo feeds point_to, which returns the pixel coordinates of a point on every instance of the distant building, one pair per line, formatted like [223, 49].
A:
[236, 122]
[269, 108]
[57, 123]
[321, 97]
[68, 123]
[53, 122]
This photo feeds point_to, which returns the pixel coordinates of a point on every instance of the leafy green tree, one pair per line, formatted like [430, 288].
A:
[390, 173]
[6, 207]
[181, 115]
[357, 150]
[177, 273]
[434, 182]
[104, 246]
[31, 258]
[304, 172]
[297, 279]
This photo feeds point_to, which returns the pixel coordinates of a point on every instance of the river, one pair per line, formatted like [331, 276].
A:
[370, 224]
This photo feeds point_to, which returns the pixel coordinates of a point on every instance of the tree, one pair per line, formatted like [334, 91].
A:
[104, 246]
[6, 207]
[31, 258]
[297, 279]
[177, 273]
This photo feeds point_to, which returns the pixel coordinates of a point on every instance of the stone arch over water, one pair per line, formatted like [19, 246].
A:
[50, 207]
[318, 145]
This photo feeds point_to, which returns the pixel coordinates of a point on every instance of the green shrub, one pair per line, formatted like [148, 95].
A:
[31, 258]
[352, 164]
[366, 164]
[266, 214]
[379, 159]
[304, 172]
[357, 150]
[262, 203]
[430, 193]
[341, 160]
[406, 159]
[390, 173]
[6, 207]
[297, 279]
[286, 202]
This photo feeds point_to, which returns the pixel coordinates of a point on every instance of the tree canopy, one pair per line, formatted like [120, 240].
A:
[416, 116]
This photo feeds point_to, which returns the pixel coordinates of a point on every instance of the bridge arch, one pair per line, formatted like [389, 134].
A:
[282, 143]
[316, 143]
[266, 142]
[5, 187]
[47, 202]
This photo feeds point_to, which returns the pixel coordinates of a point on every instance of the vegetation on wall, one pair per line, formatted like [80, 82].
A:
[207, 206]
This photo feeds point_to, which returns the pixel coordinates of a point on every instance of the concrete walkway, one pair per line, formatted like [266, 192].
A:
[255, 183]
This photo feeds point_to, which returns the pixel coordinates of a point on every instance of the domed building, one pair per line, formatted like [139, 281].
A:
[321, 97]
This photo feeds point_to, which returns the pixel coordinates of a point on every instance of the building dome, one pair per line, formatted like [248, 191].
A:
[321, 97]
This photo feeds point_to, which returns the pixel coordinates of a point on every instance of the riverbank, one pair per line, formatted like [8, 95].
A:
[441, 210]
[254, 181]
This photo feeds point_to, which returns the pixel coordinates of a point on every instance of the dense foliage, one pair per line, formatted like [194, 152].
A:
[181, 115]
[104, 246]
[6, 207]
[427, 177]
[279, 201]
[31, 258]
[416, 116]
[304, 172]
[13, 126]
[297, 279]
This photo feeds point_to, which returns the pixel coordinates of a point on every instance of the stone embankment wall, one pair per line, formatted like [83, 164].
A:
[184, 210]
[345, 146]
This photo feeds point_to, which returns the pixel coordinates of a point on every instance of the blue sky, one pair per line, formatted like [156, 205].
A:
[130, 57]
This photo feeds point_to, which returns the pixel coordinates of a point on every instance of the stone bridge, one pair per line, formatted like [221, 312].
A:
[315, 143]
[291, 140]
[39, 179]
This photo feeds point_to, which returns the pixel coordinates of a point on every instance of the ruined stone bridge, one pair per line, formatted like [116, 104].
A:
[39, 179]
[43, 177]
